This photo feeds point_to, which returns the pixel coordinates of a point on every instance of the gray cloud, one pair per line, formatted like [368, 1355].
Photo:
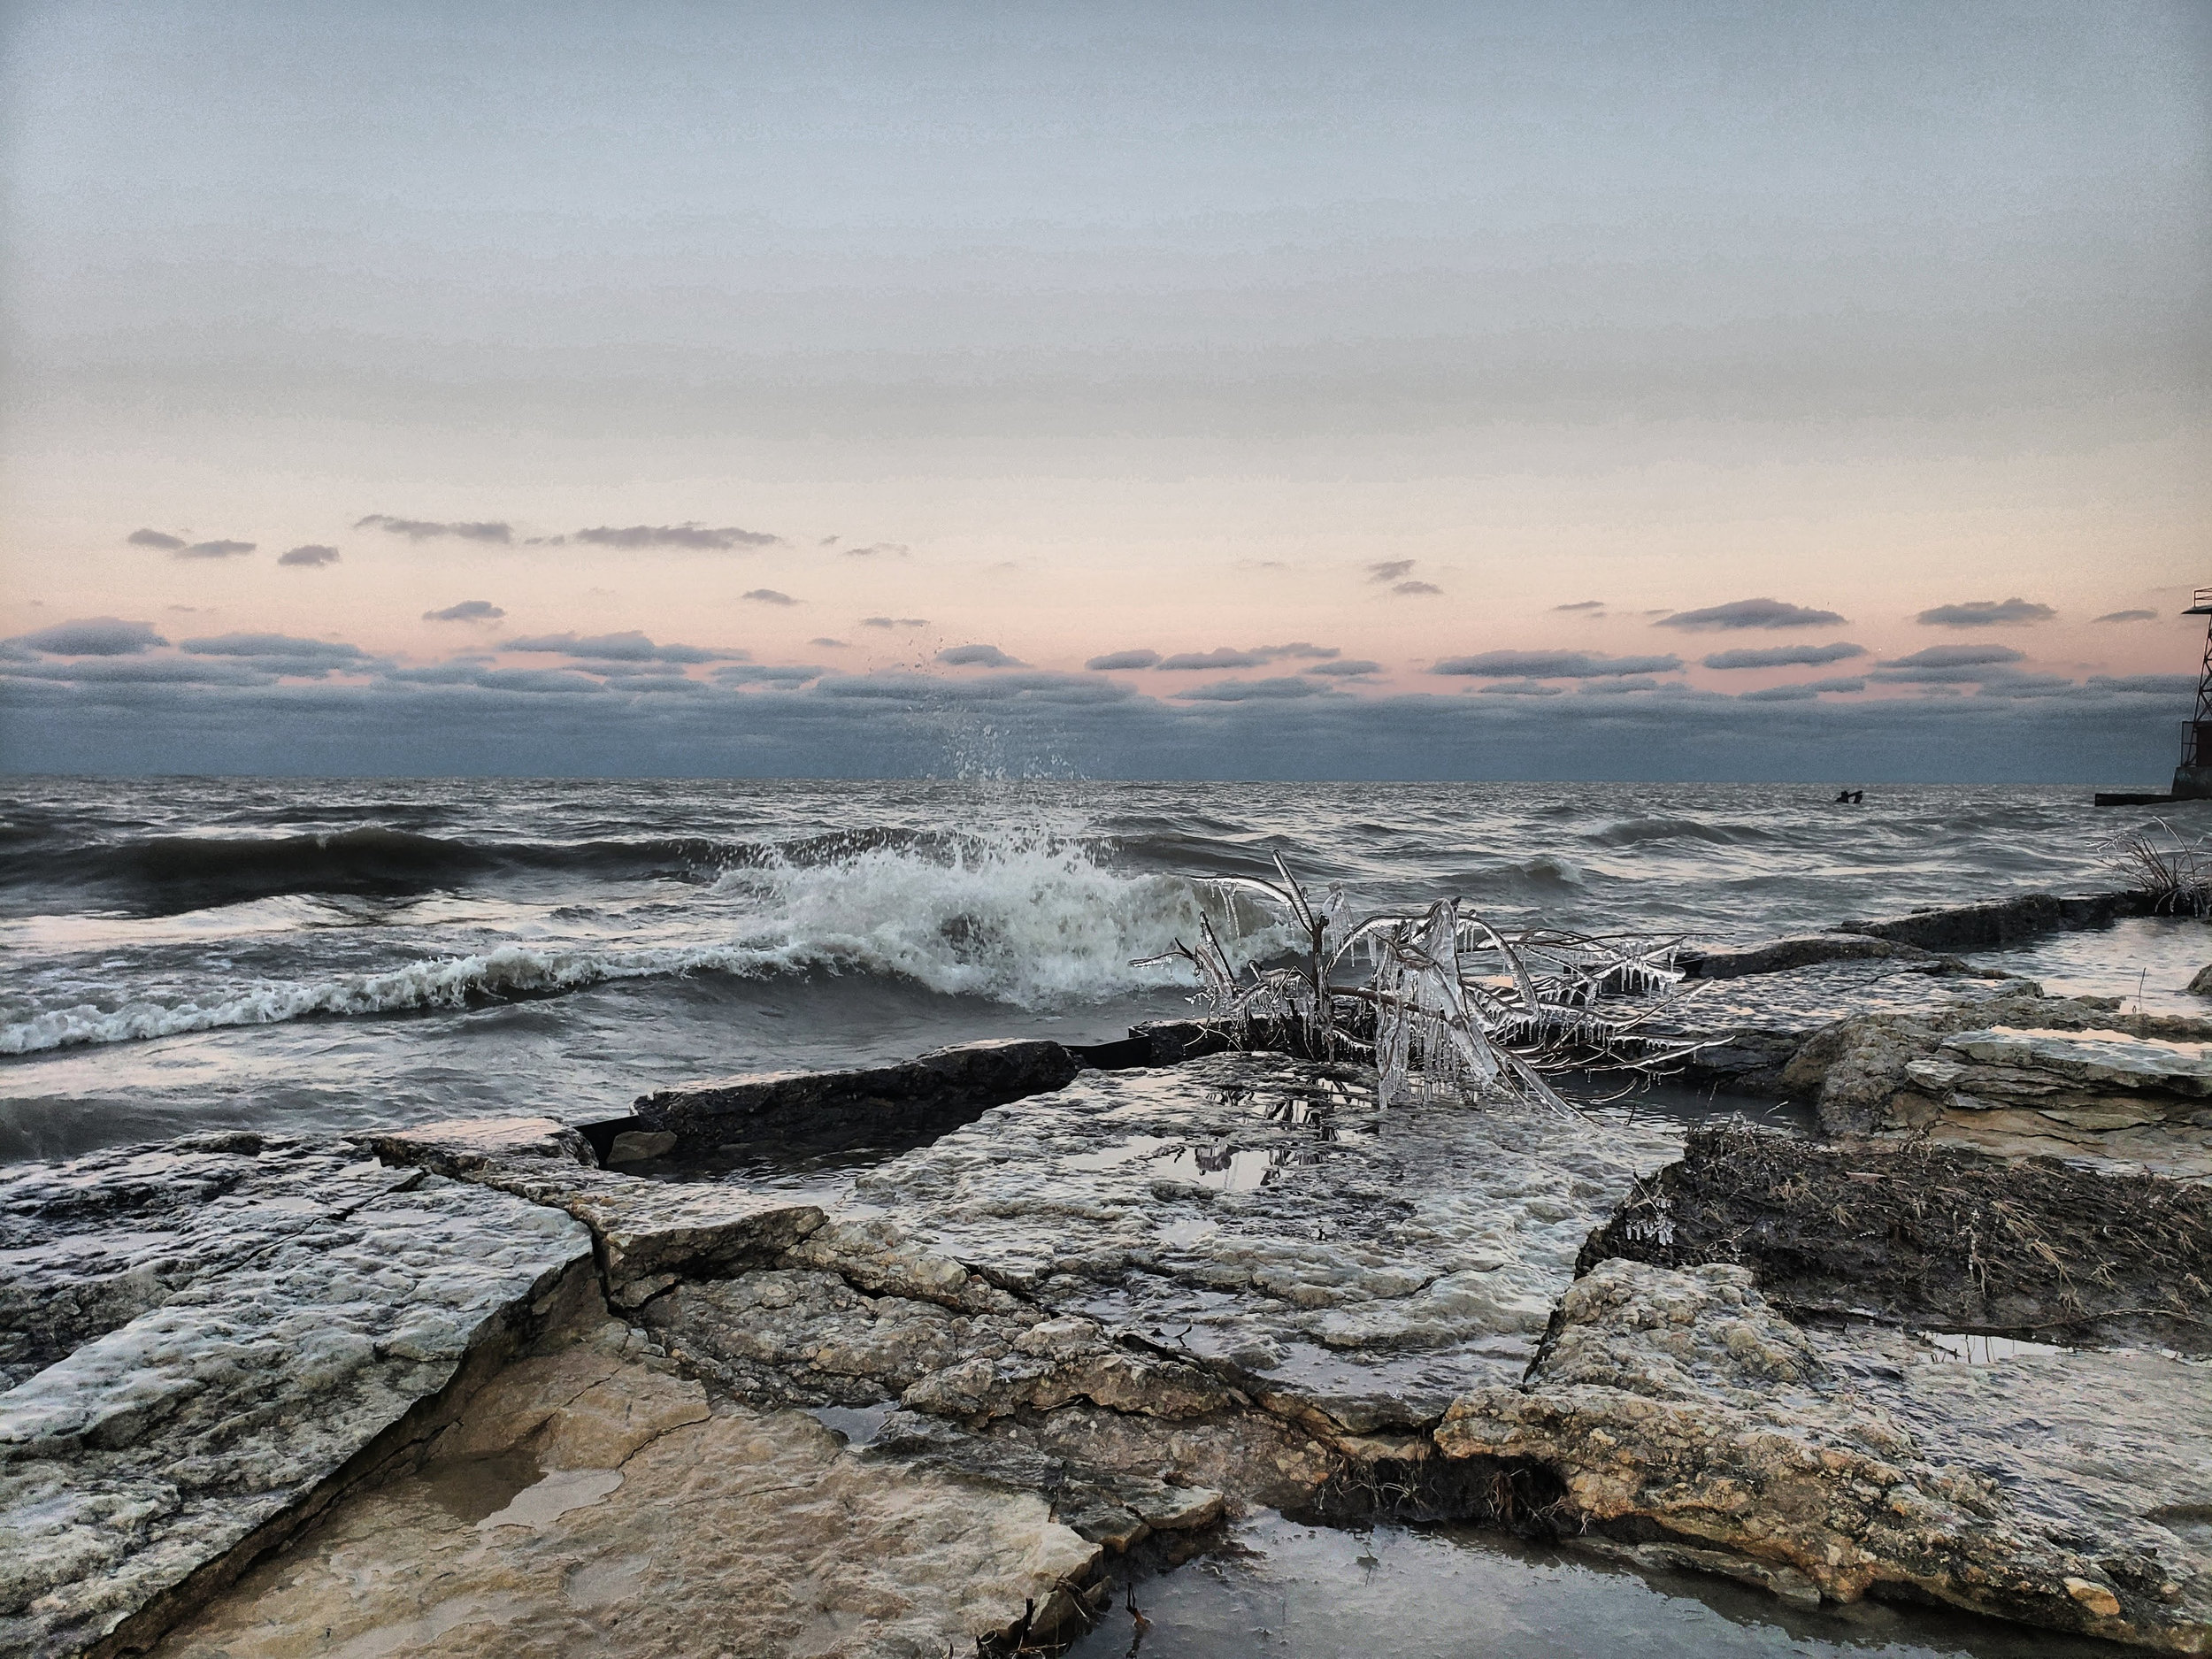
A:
[1521, 688]
[893, 622]
[327, 651]
[467, 611]
[1810, 689]
[467, 671]
[629, 646]
[1034, 686]
[828, 643]
[877, 549]
[979, 656]
[156, 538]
[2005, 682]
[1416, 588]
[2129, 615]
[1554, 665]
[762, 675]
[654, 684]
[1583, 604]
[1220, 657]
[147, 671]
[1985, 613]
[767, 596]
[1345, 668]
[429, 530]
[1957, 656]
[1952, 665]
[92, 636]
[1389, 570]
[213, 551]
[313, 554]
[1248, 690]
[1305, 649]
[678, 535]
[1124, 659]
[1784, 656]
[2154, 685]
[1749, 613]
[1622, 687]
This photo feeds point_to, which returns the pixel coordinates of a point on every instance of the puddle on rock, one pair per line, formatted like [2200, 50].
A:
[859, 1424]
[1976, 1349]
[1400, 1593]
[473, 1487]
[539, 1505]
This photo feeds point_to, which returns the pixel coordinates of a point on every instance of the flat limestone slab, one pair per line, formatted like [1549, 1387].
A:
[88, 1245]
[1257, 1209]
[648, 1232]
[256, 1379]
[586, 1503]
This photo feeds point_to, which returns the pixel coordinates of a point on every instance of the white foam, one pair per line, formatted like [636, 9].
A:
[1033, 921]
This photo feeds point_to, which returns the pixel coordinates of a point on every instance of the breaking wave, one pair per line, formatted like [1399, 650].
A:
[1033, 922]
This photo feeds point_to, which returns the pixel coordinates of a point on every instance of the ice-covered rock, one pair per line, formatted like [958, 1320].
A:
[289, 1319]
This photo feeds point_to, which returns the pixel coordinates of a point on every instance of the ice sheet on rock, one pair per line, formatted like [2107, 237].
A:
[1257, 1209]
[158, 1446]
[88, 1245]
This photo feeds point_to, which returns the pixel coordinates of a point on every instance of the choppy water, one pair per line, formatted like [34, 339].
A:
[194, 953]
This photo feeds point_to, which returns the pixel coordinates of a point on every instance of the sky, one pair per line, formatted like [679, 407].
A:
[1641, 391]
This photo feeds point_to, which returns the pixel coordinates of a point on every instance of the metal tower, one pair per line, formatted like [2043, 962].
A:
[2192, 779]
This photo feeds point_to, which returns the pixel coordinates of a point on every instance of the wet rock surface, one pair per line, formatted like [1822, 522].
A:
[1997, 923]
[539, 1525]
[1089, 1325]
[1257, 1211]
[2063, 1489]
[2020, 1074]
[231, 1368]
[906, 1102]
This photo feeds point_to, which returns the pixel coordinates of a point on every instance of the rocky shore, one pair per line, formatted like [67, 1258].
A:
[526, 1387]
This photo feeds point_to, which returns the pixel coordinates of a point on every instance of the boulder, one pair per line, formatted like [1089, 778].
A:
[1998, 923]
[2020, 1075]
[1677, 1405]
[890, 1104]
[1777, 956]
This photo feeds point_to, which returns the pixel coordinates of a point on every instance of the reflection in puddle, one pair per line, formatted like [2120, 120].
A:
[539, 1506]
[1401, 1592]
[473, 1487]
[1290, 1124]
[859, 1424]
[1976, 1349]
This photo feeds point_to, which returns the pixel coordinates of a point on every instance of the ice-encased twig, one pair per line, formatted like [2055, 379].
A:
[1455, 1005]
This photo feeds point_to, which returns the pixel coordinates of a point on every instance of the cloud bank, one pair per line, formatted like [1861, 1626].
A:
[1749, 613]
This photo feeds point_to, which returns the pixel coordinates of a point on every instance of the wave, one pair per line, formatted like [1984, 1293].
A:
[1032, 923]
[1637, 832]
[169, 873]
